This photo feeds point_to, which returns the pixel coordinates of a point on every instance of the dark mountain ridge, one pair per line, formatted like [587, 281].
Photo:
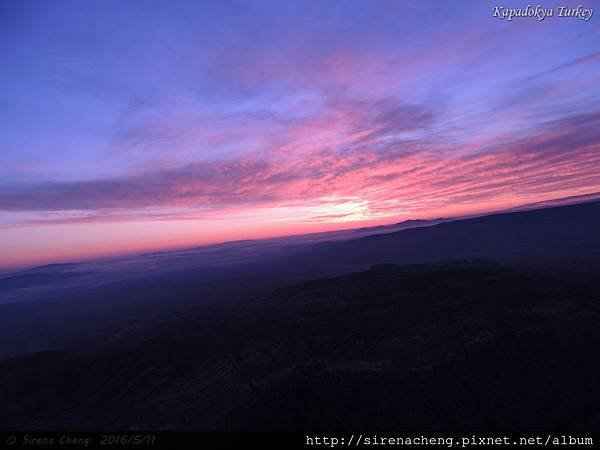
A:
[461, 345]
[495, 328]
[564, 236]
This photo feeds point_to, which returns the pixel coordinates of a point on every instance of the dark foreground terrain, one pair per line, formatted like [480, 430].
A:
[504, 337]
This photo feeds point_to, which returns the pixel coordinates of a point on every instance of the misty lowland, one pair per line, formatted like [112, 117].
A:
[489, 322]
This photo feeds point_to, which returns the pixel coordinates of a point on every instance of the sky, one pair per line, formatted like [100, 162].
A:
[138, 125]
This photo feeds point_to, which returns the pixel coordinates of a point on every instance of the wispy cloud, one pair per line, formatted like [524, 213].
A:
[384, 172]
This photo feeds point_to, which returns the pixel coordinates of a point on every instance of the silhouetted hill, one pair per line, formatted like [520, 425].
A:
[462, 345]
[565, 237]
[497, 328]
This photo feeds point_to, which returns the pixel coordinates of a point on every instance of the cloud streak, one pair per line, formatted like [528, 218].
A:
[383, 172]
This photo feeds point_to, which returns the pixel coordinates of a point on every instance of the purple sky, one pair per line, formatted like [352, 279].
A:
[133, 125]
